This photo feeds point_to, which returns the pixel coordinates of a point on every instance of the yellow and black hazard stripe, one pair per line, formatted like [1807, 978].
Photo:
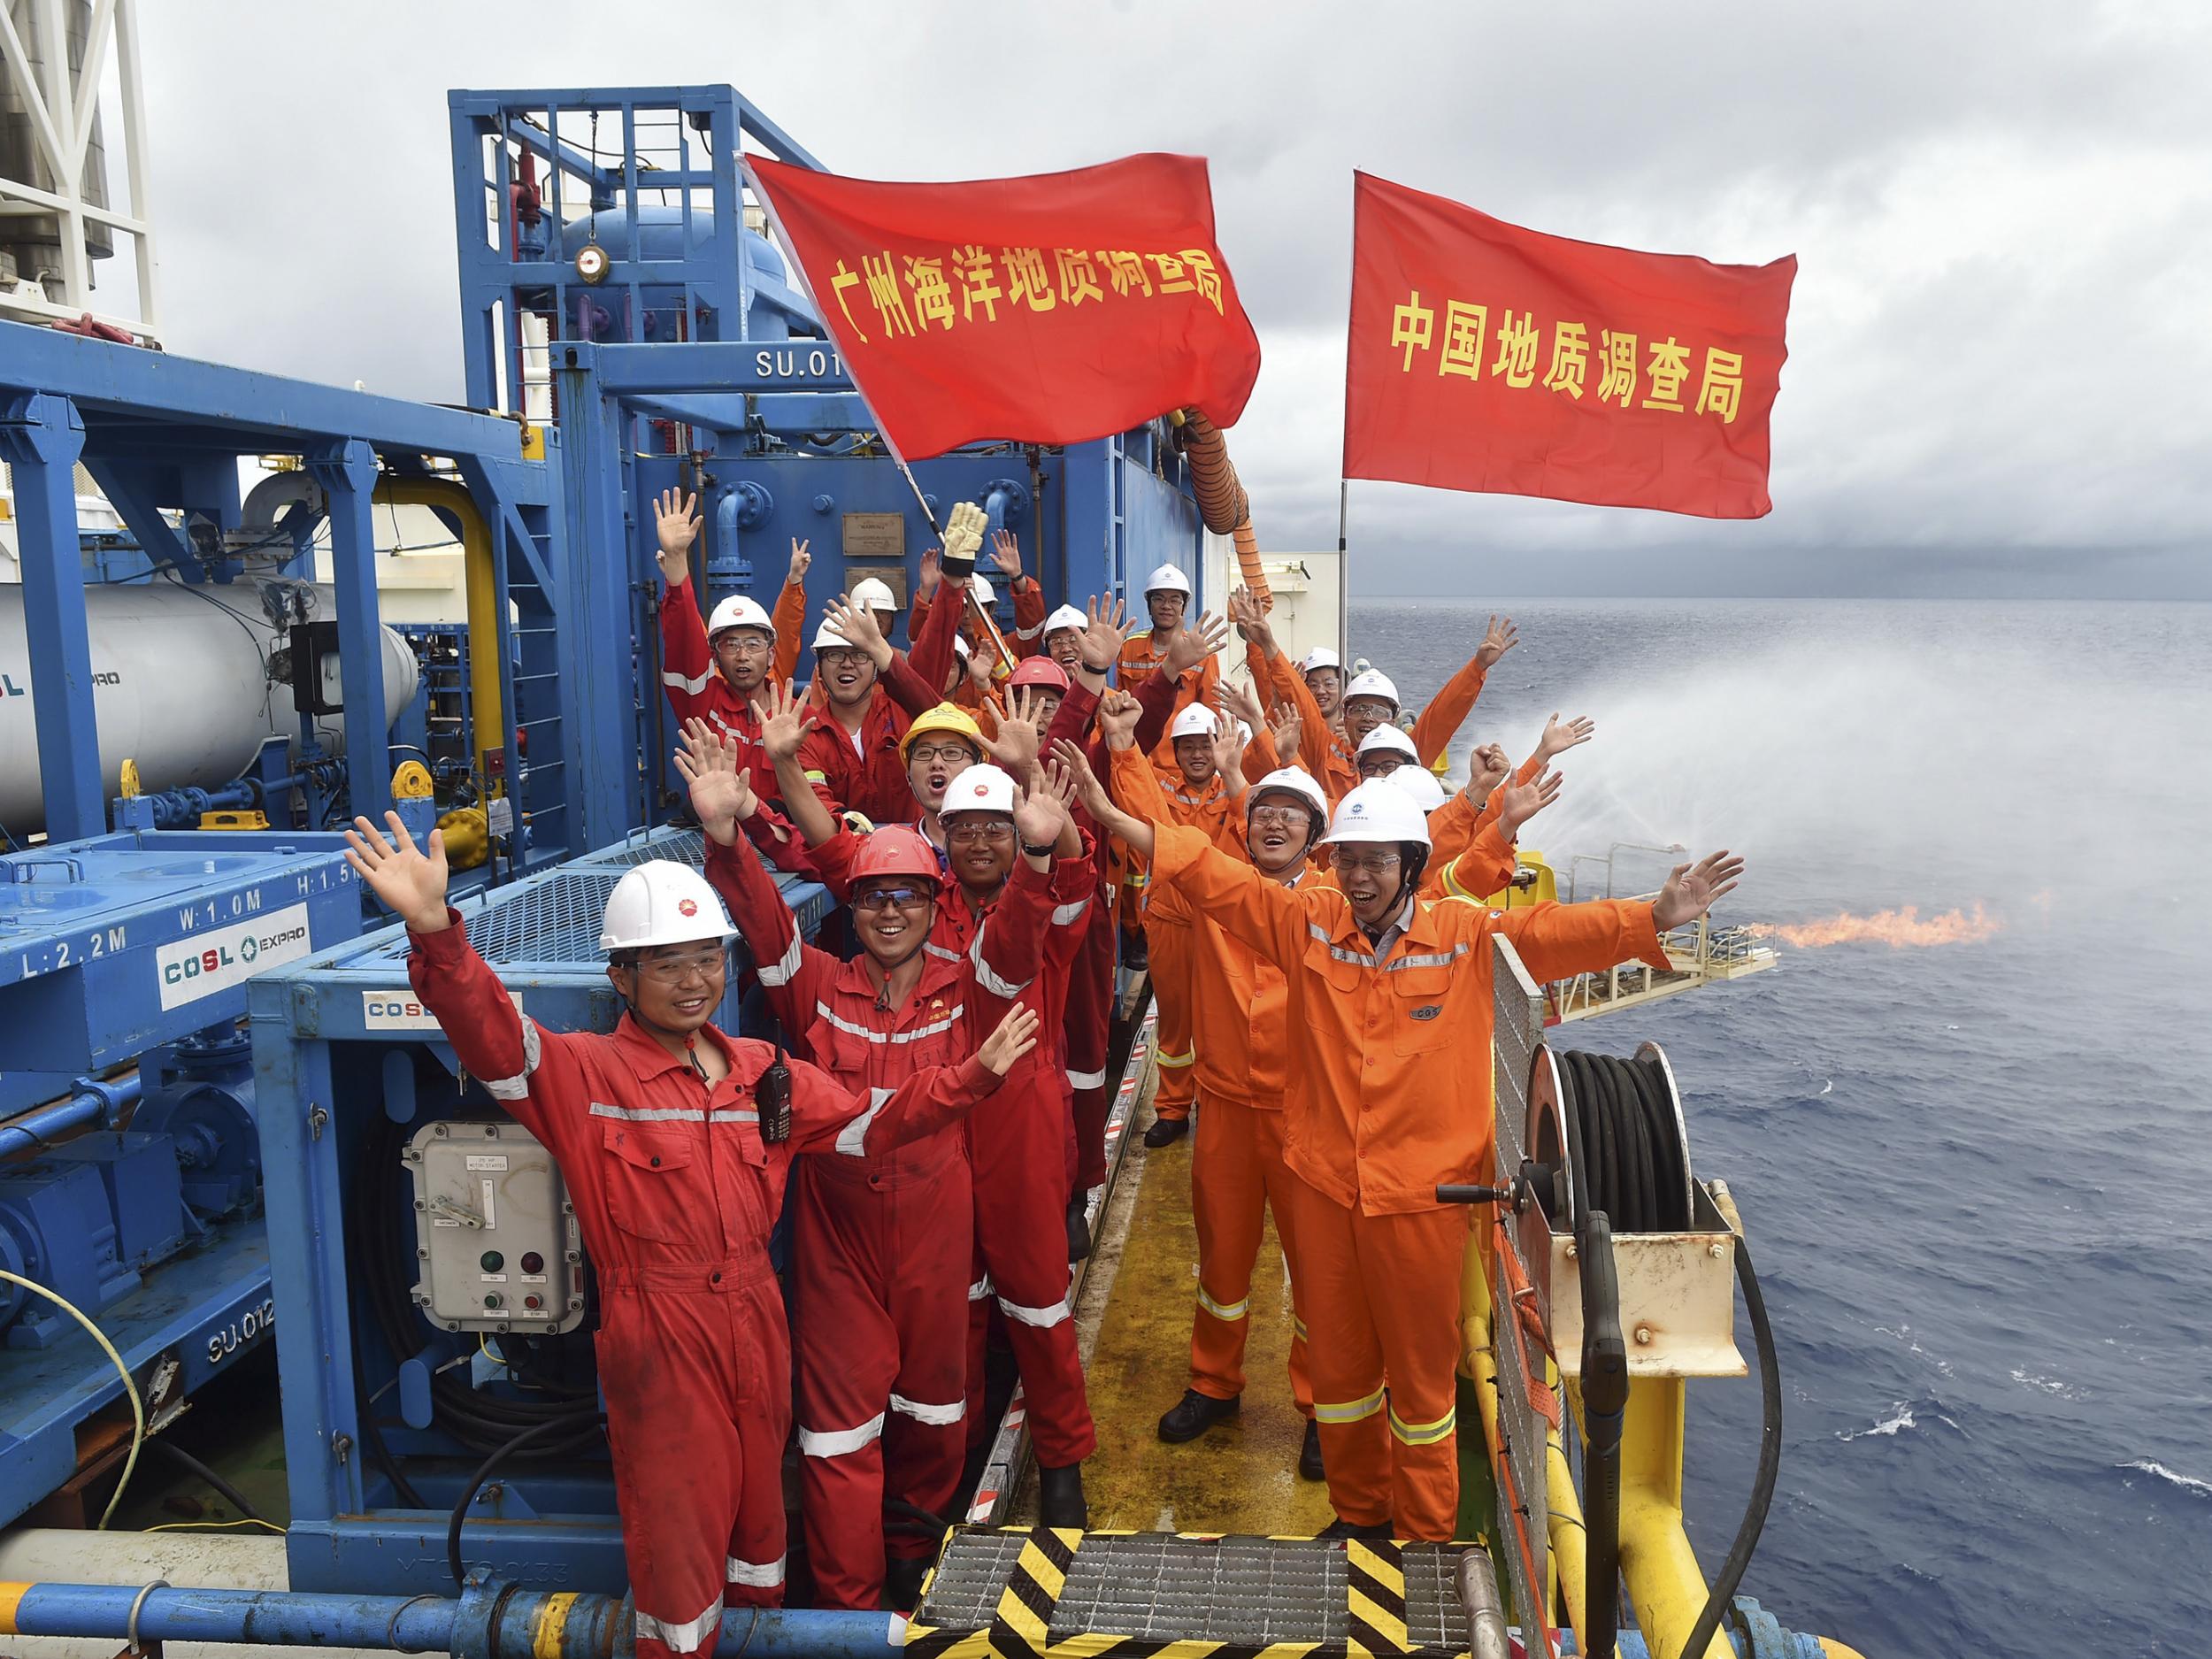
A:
[1020, 1627]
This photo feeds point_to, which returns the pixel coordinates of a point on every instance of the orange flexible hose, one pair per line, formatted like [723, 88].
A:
[1223, 505]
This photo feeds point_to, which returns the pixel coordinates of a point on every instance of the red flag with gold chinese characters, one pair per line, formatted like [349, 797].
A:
[1485, 357]
[1053, 309]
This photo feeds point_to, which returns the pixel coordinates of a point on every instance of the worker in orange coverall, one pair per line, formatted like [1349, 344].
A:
[881, 1244]
[1388, 995]
[674, 1142]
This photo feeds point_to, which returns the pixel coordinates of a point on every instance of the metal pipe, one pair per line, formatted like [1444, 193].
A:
[1477, 1583]
[486, 698]
[94, 1101]
[492, 1621]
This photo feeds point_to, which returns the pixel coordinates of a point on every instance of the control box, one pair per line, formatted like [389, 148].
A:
[496, 1237]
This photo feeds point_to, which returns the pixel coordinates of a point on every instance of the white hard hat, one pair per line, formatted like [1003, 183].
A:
[828, 639]
[960, 646]
[871, 594]
[1378, 810]
[1419, 783]
[738, 612]
[1167, 579]
[1290, 781]
[1195, 721]
[1372, 684]
[984, 788]
[661, 903]
[1389, 737]
[1320, 656]
[984, 596]
[1067, 616]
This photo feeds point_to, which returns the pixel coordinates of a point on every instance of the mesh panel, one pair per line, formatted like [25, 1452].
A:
[678, 845]
[555, 918]
[1154, 1586]
[1517, 1026]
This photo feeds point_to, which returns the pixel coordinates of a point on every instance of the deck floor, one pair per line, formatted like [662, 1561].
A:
[1240, 1476]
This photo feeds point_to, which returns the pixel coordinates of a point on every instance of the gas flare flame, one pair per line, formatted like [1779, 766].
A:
[1899, 929]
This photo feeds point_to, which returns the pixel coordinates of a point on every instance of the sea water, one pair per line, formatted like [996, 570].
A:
[1976, 1176]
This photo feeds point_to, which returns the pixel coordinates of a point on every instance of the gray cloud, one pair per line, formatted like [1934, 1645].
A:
[2002, 212]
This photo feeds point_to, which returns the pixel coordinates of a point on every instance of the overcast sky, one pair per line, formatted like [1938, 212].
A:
[2001, 342]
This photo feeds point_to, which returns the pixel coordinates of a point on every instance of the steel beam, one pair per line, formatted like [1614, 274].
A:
[41, 436]
[348, 472]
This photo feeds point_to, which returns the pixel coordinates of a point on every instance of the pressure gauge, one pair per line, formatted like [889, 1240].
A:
[591, 262]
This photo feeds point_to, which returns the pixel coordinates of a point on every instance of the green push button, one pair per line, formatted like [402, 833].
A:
[493, 1261]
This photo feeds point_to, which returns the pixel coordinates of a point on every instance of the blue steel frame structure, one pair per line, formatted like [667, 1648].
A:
[694, 362]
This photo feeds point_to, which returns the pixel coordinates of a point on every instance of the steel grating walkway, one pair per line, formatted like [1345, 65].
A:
[1156, 1588]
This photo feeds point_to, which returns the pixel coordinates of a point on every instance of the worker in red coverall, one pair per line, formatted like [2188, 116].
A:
[675, 1162]
[881, 1245]
[718, 670]
[866, 695]
[1024, 1157]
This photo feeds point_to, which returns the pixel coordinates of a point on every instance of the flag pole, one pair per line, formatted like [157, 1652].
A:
[1343, 585]
[937, 534]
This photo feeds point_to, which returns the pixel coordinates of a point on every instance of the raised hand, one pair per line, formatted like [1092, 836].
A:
[722, 795]
[1020, 734]
[1522, 802]
[1006, 553]
[1229, 743]
[857, 626]
[783, 722]
[1486, 768]
[1251, 619]
[1285, 734]
[932, 571]
[1118, 714]
[410, 881]
[963, 532]
[1040, 815]
[1015, 1036]
[1562, 735]
[1100, 643]
[795, 572]
[1194, 644]
[1071, 764]
[1239, 701]
[1501, 638]
[1694, 889]
[676, 523]
[981, 665]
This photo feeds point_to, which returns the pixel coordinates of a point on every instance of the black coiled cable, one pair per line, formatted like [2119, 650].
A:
[1623, 1141]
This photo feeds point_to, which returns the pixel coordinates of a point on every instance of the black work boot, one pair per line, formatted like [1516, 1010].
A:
[1342, 1528]
[1310, 1454]
[1078, 1228]
[1166, 1131]
[1193, 1415]
[1060, 1498]
[903, 1582]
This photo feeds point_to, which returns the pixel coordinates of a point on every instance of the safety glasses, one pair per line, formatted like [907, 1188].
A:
[893, 898]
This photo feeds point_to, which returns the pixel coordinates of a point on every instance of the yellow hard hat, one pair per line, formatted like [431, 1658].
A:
[944, 717]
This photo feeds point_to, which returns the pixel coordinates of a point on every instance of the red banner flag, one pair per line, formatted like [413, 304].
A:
[1053, 309]
[1485, 357]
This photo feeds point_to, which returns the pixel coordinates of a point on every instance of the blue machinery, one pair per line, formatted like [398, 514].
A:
[146, 1173]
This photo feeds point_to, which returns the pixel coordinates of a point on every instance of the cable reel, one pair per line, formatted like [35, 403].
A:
[1606, 1133]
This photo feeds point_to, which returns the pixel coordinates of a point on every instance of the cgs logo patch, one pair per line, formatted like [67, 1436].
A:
[1430, 1012]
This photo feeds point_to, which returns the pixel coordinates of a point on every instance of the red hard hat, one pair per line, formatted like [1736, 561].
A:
[1040, 670]
[894, 850]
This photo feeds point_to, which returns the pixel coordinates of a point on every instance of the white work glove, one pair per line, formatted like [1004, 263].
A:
[963, 536]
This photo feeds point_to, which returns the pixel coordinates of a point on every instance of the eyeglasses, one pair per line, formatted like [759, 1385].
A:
[1380, 765]
[1370, 863]
[834, 657]
[1282, 815]
[675, 970]
[928, 753]
[891, 898]
[977, 834]
[743, 644]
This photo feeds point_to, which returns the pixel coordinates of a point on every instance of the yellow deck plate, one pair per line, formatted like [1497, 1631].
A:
[1240, 1476]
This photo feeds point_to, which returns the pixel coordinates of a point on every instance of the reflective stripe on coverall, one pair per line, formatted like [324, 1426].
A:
[675, 1193]
[1388, 1094]
[882, 1244]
